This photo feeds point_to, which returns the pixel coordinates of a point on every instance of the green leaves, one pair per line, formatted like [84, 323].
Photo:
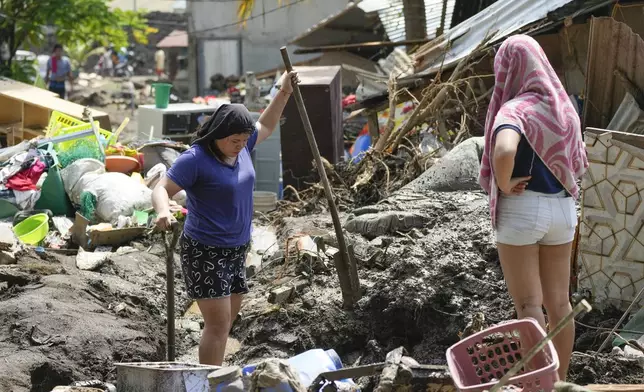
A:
[75, 22]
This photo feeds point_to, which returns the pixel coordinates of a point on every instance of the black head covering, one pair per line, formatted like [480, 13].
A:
[228, 120]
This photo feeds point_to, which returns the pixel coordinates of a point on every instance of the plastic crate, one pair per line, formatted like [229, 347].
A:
[478, 362]
[61, 124]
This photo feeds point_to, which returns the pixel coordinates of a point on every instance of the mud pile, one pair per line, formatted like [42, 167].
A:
[422, 281]
[61, 325]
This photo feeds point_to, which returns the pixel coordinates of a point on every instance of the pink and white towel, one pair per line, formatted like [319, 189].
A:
[528, 94]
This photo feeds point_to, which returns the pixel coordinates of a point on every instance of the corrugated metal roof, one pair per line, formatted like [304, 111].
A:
[392, 18]
[613, 47]
[498, 21]
[351, 24]
[390, 14]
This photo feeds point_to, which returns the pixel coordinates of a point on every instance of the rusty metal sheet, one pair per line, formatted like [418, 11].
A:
[613, 46]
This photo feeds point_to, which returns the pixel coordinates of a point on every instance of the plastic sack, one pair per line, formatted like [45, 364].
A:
[116, 193]
[72, 174]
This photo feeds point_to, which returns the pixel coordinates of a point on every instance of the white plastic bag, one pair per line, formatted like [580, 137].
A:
[116, 193]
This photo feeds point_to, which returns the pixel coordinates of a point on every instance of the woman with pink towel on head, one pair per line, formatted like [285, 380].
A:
[533, 156]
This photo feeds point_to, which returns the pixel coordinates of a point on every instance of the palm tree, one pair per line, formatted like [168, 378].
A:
[245, 10]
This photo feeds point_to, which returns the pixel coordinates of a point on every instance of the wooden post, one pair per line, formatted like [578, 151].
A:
[373, 126]
[343, 261]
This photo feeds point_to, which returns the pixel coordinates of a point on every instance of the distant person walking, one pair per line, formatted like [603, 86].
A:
[159, 60]
[533, 156]
[59, 69]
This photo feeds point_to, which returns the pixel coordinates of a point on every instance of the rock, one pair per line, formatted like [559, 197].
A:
[253, 264]
[14, 276]
[617, 351]
[8, 240]
[631, 353]
[284, 338]
[282, 294]
[76, 389]
[456, 171]
[139, 246]
[123, 250]
[377, 242]
[90, 261]
[7, 257]
[375, 225]
[188, 325]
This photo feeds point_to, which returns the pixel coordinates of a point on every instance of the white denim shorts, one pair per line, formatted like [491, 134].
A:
[536, 218]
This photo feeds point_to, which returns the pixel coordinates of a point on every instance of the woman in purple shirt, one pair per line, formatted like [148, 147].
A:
[218, 176]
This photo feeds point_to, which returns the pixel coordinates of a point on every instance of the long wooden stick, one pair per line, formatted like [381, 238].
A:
[350, 294]
[621, 320]
[583, 306]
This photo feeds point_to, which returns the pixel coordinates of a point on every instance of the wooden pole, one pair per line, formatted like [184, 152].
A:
[350, 294]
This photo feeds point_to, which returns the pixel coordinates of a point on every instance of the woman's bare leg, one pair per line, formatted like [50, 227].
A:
[555, 279]
[235, 306]
[520, 266]
[217, 321]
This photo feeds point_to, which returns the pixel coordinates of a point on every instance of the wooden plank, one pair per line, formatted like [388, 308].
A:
[35, 116]
[616, 388]
[10, 110]
[36, 97]
[10, 84]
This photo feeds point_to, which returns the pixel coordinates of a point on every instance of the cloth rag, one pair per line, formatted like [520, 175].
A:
[273, 372]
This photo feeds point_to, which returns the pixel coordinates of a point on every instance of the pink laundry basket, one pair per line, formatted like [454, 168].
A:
[478, 362]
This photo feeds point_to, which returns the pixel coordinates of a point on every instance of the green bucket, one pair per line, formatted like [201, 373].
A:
[161, 94]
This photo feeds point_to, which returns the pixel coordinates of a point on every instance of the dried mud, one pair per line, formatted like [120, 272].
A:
[61, 325]
[420, 288]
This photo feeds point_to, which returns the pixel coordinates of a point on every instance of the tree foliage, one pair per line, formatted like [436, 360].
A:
[24, 22]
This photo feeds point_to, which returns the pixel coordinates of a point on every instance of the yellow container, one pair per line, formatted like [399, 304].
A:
[62, 124]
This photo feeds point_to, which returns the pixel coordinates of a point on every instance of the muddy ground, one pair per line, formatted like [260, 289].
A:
[420, 287]
[426, 262]
[60, 324]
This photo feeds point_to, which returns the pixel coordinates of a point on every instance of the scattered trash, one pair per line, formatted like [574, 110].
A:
[91, 261]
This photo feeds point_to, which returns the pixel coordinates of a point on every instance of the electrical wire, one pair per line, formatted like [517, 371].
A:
[261, 15]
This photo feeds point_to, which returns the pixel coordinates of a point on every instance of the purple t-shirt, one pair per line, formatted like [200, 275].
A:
[220, 197]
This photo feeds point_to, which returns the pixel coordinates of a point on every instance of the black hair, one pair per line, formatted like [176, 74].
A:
[57, 46]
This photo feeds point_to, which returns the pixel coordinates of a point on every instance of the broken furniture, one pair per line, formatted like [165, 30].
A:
[321, 89]
[25, 111]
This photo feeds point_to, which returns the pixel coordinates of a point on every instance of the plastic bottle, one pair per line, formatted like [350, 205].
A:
[310, 364]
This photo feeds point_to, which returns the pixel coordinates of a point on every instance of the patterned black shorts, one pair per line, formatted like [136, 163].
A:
[213, 272]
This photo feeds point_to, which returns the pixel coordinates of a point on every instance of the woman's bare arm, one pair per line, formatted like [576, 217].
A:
[505, 150]
[162, 193]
